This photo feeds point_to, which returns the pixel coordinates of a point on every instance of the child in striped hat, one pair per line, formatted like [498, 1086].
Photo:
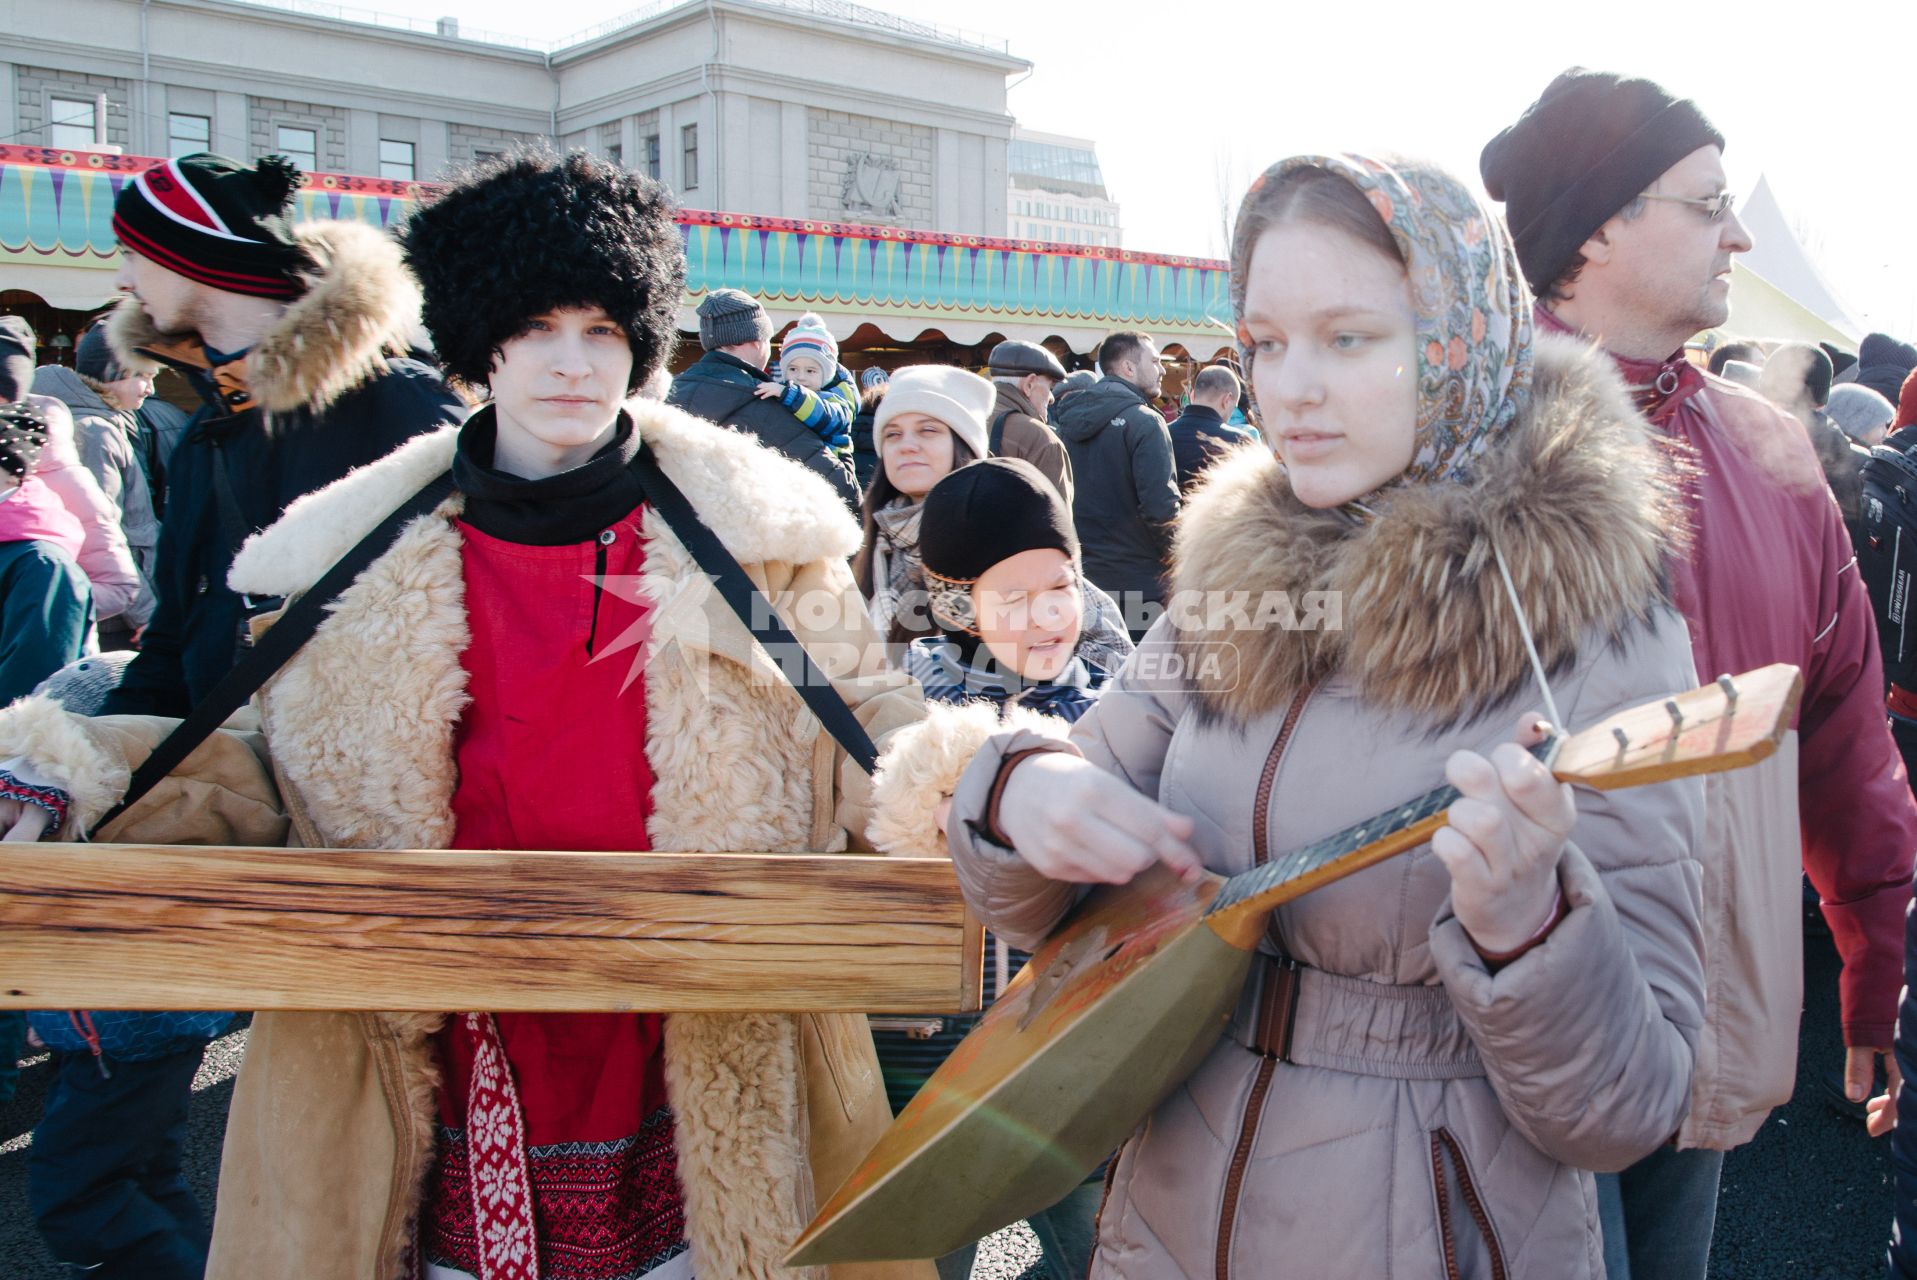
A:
[813, 385]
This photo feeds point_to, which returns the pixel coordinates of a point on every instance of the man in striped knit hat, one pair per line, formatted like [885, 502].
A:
[294, 334]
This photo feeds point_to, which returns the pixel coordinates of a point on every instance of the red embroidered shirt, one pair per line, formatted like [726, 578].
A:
[551, 755]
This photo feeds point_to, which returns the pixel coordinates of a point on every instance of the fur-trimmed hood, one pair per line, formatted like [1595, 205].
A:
[85, 396]
[763, 506]
[360, 304]
[1580, 500]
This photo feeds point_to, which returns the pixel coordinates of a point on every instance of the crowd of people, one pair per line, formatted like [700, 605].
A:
[1521, 1050]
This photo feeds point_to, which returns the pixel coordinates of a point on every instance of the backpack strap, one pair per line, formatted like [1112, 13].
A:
[996, 445]
[275, 649]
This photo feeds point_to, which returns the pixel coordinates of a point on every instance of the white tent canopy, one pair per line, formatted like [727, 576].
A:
[1783, 267]
[1763, 312]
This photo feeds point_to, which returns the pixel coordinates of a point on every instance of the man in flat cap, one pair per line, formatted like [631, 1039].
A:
[1026, 375]
[1615, 194]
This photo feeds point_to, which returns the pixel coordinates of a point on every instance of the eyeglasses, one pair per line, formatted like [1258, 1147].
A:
[1713, 207]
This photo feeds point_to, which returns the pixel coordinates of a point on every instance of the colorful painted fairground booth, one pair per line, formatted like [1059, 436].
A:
[891, 297]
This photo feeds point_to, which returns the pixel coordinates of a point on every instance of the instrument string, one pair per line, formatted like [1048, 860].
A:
[1312, 857]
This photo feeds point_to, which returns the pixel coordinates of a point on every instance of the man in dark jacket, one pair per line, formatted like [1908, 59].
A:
[1075, 381]
[1616, 196]
[285, 332]
[1126, 487]
[1203, 431]
[722, 387]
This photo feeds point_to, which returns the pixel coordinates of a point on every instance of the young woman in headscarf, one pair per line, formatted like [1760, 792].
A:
[1475, 1022]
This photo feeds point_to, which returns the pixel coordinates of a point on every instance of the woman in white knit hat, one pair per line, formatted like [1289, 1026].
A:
[931, 423]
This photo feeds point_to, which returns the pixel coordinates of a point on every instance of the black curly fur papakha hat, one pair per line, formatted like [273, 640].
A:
[514, 238]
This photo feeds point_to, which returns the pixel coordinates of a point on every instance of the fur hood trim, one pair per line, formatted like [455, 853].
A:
[762, 504]
[1578, 497]
[922, 764]
[360, 303]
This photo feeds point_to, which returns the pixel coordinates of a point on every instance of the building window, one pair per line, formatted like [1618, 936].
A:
[482, 155]
[652, 156]
[396, 160]
[301, 146]
[616, 154]
[187, 135]
[72, 122]
[689, 157]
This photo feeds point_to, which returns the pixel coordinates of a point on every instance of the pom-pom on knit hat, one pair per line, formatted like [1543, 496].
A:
[811, 339]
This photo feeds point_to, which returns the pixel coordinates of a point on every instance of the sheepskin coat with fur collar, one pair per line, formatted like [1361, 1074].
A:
[1461, 1103]
[331, 1129]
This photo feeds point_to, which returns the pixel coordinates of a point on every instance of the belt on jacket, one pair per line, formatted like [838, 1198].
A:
[1298, 1014]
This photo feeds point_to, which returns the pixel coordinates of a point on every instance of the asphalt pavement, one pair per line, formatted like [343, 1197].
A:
[1809, 1199]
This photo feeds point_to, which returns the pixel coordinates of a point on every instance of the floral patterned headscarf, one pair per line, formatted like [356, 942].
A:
[1473, 310]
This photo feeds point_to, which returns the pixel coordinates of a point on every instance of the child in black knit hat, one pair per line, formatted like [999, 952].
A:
[1018, 623]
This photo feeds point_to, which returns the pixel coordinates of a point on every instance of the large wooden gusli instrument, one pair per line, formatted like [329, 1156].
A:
[1133, 990]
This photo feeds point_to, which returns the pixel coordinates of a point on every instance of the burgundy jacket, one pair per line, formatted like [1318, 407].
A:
[1771, 577]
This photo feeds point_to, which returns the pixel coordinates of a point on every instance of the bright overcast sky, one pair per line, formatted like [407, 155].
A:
[1187, 102]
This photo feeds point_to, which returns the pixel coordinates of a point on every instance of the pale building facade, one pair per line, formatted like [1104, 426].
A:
[1057, 192]
[804, 109]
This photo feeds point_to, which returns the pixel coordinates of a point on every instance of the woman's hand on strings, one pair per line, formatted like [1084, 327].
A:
[1505, 835]
[1073, 821]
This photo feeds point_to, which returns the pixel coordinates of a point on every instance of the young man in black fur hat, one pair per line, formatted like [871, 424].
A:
[536, 664]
